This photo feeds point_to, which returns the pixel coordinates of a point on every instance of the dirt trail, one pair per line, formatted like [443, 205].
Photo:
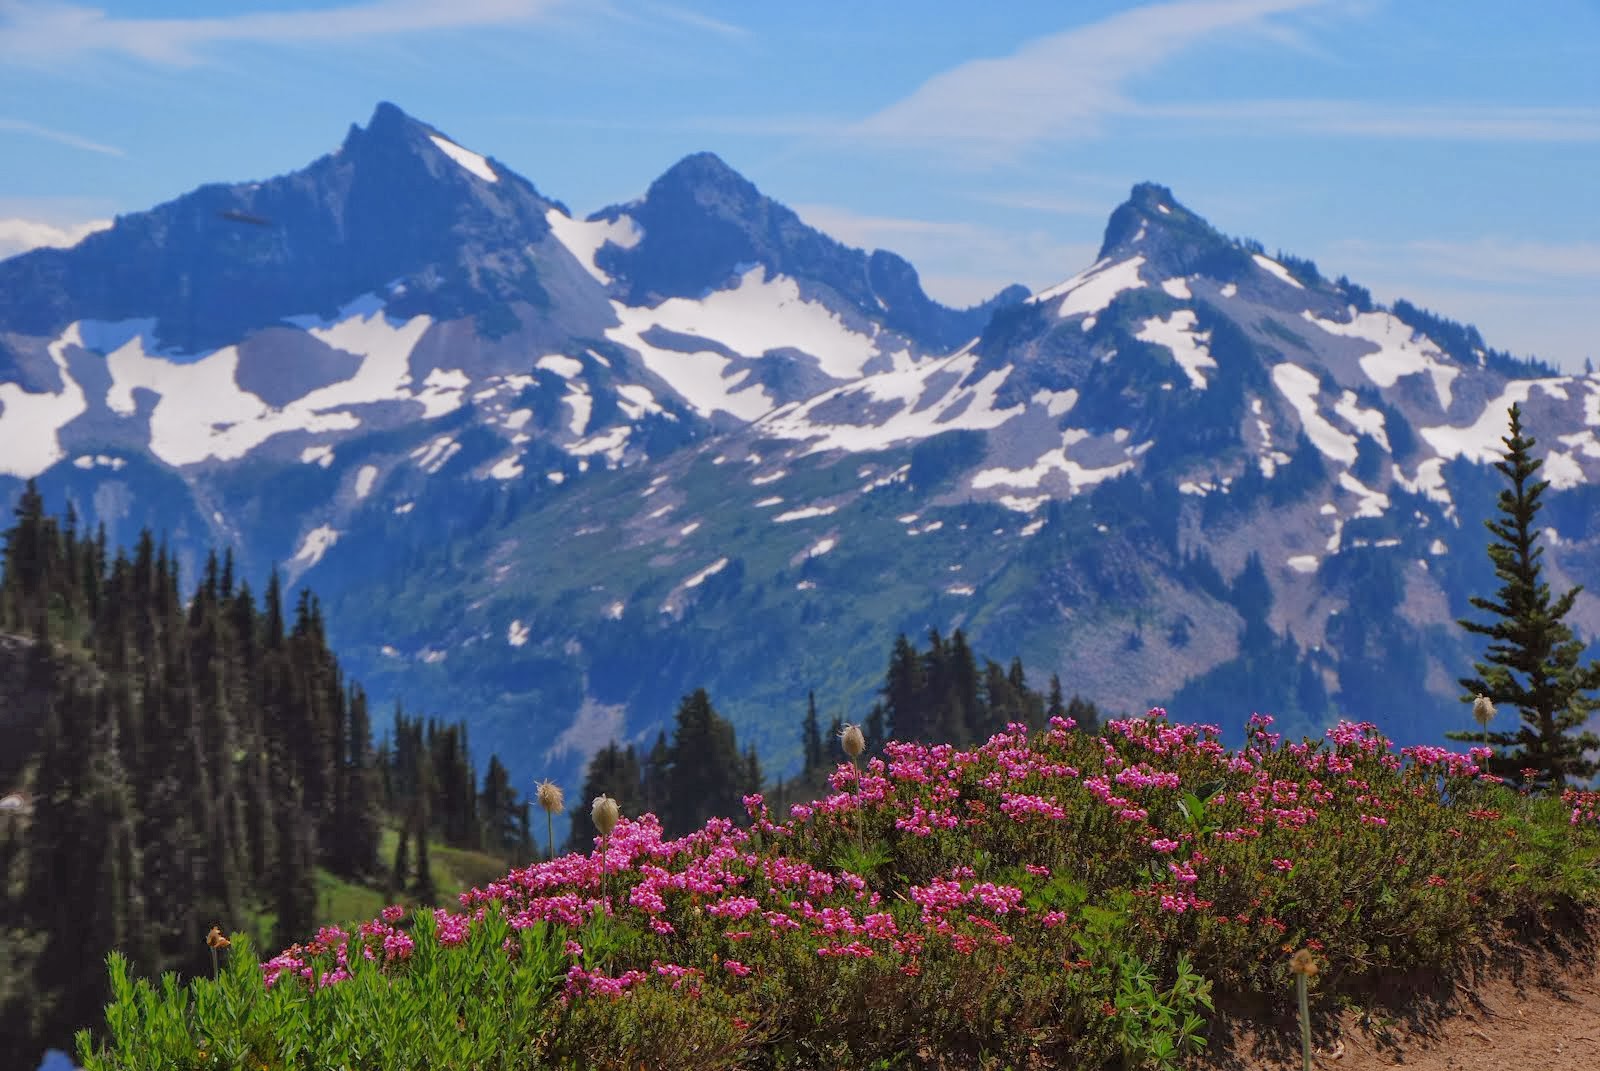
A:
[1541, 1013]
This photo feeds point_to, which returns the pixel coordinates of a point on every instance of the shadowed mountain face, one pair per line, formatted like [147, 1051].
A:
[388, 206]
[551, 474]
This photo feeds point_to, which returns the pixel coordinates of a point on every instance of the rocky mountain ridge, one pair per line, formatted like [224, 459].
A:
[552, 473]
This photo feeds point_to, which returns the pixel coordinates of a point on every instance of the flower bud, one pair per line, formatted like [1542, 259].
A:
[605, 813]
[1483, 710]
[214, 939]
[854, 743]
[550, 797]
[1302, 963]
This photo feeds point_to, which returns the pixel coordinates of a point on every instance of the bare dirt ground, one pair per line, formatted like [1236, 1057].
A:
[1523, 1006]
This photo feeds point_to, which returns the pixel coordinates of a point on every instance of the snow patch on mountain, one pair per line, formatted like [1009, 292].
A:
[30, 424]
[1300, 388]
[1177, 333]
[1368, 422]
[1054, 460]
[1273, 268]
[1178, 288]
[562, 365]
[919, 408]
[703, 575]
[1091, 290]
[804, 513]
[366, 475]
[1480, 440]
[469, 160]
[584, 238]
[517, 633]
[756, 315]
[315, 544]
[317, 455]
[1373, 503]
[1400, 350]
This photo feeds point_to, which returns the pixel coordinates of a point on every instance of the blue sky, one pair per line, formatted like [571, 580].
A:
[1444, 152]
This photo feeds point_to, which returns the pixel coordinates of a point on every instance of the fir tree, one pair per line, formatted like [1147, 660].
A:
[1533, 659]
[811, 736]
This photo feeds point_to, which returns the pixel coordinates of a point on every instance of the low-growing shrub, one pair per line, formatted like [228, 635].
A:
[1082, 898]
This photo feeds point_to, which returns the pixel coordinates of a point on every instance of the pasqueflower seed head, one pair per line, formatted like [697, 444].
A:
[550, 797]
[605, 813]
[853, 741]
[1302, 963]
[1483, 710]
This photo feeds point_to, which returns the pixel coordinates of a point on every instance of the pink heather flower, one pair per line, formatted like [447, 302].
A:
[394, 913]
[1437, 882]
[735, 967]
[1283, 864]
[1037, 871]
[1163, 845]
[573, 949]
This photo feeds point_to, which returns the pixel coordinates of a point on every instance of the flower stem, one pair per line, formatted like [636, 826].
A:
[1305, 1022]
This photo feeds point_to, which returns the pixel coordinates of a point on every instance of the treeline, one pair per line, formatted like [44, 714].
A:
[939, 695]
[188, 764]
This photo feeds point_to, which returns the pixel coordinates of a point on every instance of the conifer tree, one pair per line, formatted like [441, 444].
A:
[811, 735]
[1533, 659]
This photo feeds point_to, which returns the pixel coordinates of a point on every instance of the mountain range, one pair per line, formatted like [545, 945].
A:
[549, 474]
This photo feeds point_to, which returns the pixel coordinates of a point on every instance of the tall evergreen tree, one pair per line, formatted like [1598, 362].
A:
[1533, 659]
[811, 735]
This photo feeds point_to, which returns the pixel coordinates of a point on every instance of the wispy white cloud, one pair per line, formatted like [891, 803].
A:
[1484, 260]
[1451, 122]
[22, 126]
[42, 33]
[696, 20]
[1062, 85]
[21, 235]
[960, 263]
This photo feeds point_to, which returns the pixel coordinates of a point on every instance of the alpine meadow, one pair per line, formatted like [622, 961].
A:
[1070, 540]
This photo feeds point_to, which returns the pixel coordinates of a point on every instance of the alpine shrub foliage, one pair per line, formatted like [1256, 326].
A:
[1083, 899]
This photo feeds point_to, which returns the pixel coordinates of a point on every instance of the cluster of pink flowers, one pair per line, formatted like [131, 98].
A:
[733, 888]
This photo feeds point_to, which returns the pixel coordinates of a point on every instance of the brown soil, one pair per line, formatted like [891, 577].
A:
[1532, 1001]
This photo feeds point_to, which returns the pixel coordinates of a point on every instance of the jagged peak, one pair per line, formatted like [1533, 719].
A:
[1152, 206]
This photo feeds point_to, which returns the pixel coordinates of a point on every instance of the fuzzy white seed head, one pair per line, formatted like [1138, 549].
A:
[605, 813]
[550, 797]
[853, 741]
[1483, 710]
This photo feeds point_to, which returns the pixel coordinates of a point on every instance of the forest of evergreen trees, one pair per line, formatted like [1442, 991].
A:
[935, 696]
[196, 763]
[191, 764]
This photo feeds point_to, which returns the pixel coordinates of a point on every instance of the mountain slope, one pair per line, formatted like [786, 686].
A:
[552, 473]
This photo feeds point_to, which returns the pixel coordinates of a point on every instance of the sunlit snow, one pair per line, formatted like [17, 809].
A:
[584, 239]
[1178, 288]
[364, 480]
[821, 547]
[1400, 350]
[317, 455]
[1277, 270]
[1177, 333]
[1092, 290]
[517, 634]
[1300, 387]
[1480, 440]
[1303, 563]
[315, 544]
[562, 365]
[468, 159]
[711, 570]
[1055, 460]
[916, 417]
[804, 513]
[30, 424]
